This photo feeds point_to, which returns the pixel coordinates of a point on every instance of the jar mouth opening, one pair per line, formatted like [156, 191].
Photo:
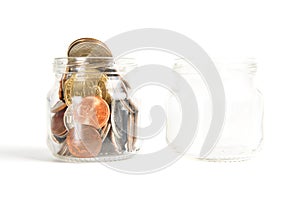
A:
[225, 64]
[81, 60]
[227, 60]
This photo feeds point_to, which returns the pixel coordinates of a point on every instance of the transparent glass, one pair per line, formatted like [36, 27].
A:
[242, 133]
[91, 116]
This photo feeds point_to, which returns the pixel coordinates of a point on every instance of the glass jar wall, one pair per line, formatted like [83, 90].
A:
[242, 134]
[91, 117]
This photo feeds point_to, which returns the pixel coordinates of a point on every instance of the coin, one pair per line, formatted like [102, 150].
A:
[86, 86]
[93, 111]
[104, 131]
[57, 123]
[60, 105]
[109, 145]
[88, 47]
[68, 118]
[124, 123]
[64, 151]
[83, 85]
[83, 47]
[104, 78]
[80, 40]
[68, 89]
[60, 91]
[113, 73]
[134, 117]
[84, 141]
[57, 139]
[104, 92]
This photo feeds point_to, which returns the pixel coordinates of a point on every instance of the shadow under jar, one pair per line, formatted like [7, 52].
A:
[91, 117]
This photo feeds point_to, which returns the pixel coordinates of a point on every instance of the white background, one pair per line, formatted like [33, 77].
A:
[34, 32]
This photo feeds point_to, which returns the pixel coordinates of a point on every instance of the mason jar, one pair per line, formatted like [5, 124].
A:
[91, 116]
[242, 132]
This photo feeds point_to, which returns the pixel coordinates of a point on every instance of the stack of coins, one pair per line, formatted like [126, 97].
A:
[87, 121]
[80, 126]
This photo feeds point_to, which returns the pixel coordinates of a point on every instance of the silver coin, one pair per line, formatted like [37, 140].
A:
[88, 47]
[68, 118]
[104, 131]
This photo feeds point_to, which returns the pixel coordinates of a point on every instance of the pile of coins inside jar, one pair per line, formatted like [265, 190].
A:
[93, 115]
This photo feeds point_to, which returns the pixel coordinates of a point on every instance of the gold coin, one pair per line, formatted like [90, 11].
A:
[68, 90]
[102, 85]
[103, 78]
[88, 47]
[86, 86]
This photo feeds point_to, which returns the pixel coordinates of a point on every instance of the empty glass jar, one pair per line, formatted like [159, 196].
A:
[242, 132]
[91, 117]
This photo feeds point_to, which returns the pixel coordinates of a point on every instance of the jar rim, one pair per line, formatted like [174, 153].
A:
[242, 64]
[60, 60]
[231, 60]
[60, 64]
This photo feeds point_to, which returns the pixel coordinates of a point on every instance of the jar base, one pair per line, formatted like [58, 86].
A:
[102, 158]
[229, 154]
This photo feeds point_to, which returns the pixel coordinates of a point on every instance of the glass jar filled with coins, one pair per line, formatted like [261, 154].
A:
[91, 117]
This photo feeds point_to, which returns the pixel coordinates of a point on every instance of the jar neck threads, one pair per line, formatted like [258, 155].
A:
[246, 66]
[82, 64]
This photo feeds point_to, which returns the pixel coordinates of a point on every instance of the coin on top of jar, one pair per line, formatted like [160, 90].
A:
[88, 47]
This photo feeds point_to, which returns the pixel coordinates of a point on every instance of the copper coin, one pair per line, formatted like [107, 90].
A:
[84, 141]
[60, 105]
[60, 91]
[93, 111]
[57, 123]
[63, 150]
